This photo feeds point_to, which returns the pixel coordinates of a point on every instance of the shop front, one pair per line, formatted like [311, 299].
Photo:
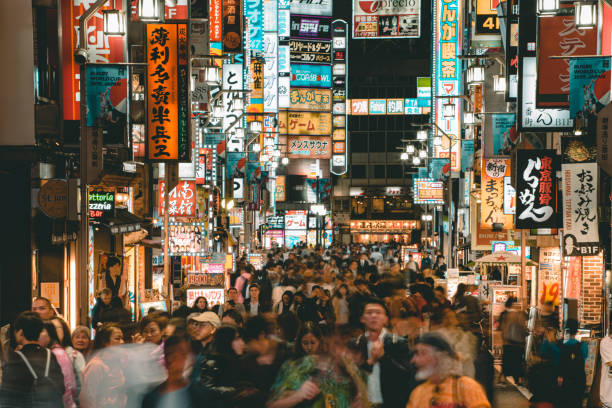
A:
[371, 231]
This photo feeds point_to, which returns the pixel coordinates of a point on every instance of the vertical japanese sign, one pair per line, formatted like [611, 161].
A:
[558, 35]
[339, 58]
[232, 79]
[232, 26]
[254, 20]
[101, 49]
[447, 74]
[256, 82]
[162, 88]
[386, 19]
[492, 194]
[549, 276]
[536, 188]
[216, 21]
[580, 222]
[512, 39]
[270, 76]
[182, 199]
[589, 85]
[183, 93]
[107, 93]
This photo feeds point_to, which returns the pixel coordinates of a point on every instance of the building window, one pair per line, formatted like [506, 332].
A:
[379, 171]
[377, 142]
[359, 142]
[395, 171]
[358, 171]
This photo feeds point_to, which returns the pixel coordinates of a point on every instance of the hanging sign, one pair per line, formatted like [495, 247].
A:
[536, 188]
[589, 85]
[492, 194]
[428, 191]
[310, 27]
[487, 21]
[101, 204]
[306, 147]
[216, 21]
[310, 51]
[303, 75]
[580, 221]
[232, 26]
[312, 7]
[309, 123]
[310, 99]
[182, 199]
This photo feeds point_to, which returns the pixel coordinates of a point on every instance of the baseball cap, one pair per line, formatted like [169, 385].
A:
[437, 341]
[206, 317]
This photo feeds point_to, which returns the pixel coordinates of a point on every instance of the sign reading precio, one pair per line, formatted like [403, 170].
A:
[318, 76]
[386, 18]
[314, 52]
[310, 27]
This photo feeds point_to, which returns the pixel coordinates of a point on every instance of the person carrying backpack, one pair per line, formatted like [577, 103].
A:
[571, 377]
[31, 376]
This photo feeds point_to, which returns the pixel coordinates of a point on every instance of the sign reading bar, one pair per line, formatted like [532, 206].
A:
[310, 99]
[310, 52]
[306, 147]
[428, 191]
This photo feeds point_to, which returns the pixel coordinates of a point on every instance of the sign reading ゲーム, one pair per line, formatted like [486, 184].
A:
[101, 204]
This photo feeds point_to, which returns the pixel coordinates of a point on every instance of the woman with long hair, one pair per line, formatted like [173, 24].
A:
[76, 357]
[285, 304]
[48, 338]
[200, 305]
[341, 305]
[103, 379]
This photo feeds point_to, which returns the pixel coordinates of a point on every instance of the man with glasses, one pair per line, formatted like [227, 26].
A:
[201, 328]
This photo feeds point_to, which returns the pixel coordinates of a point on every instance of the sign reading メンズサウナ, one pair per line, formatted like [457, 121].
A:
[307, 147]
[386, 19]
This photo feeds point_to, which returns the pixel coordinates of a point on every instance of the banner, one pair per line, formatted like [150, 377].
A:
[182, 199]
[580, 221]
[558, 36]
[536, 189]
[107, 93]
[163, 93]
[306, 147]
[310, 99]
[318, 76]
[216, 21]
[232, 26]
[101, 49]
[492, 194]
[501, 130]
[310, 52]
[589, 85]
[467, 148]
[270, 76]
[254, 19]
[310, 27]
[315, 8]
[386, 19]
[309, 123]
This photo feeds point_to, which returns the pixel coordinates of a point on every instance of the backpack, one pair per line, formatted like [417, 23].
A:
[44, 391]
[571, 363]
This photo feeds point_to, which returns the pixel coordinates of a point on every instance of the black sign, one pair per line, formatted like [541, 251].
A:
[537, 205]
[232, 26]
[487, 24]
[310, 27]
[310, 51]
[101, 204]
[276, 222]
[512, 43]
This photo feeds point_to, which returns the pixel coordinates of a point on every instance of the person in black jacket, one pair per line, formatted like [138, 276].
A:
[385, 357]
[19, 388]
[177, 391]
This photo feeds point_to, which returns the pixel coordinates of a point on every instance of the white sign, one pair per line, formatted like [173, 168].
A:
[312, 7]
[296, 219]
[509, 197]
[580, 223]
[284, 89]
[270, 85]
[215, 296]
[531, 117]
[239, 188]
[232, 79]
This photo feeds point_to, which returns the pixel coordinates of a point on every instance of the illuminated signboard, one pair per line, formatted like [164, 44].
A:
[306, 147]
[310, 51]
[296, 219]
[310, 99]
[386, 19]
[303, 75]
[378, 107]
[214, 296]
[494, 172]
[428, 191]
[340, 91]
[309, 123]
[101, 204]
[310, 7]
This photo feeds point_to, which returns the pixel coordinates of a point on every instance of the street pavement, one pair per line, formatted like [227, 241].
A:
[508, 396]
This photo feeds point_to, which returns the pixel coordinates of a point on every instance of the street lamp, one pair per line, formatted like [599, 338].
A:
[410, 149]
[586, 14]
[499, 84]
[475, 74]
[548, 7]
[114, 22]
[422, 154]
[416, 161]
[212, 75]
[437, 141]
[422, 134]
[404, 156]
[285, 161]
[149, 10]
[448, 111]
[468, 118]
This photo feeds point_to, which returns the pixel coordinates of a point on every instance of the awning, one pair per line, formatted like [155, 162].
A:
[123, 222]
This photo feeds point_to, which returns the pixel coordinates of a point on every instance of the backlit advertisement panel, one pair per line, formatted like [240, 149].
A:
[314, 76]
[386, 19]
[310, 27]
[428, 191]
[310, 99]
[315, 8]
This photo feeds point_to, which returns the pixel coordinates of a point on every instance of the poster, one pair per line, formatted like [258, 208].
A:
[236, 164]
[182, 199]
[308, 147]
[580, 220]
[536, 189]
[502, 126]
[492, 194]
[184, 239]
[558, 36]
[589, 85]
[386, 19]
[107, 101]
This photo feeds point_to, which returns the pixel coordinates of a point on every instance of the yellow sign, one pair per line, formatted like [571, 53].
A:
[492, 195]
[310, 99]
[305, 123]
[279, 192]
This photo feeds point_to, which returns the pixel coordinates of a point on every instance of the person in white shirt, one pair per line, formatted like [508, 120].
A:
[605, 385]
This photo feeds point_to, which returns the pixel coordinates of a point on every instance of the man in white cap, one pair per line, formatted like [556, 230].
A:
[201, 328]
[437, 364]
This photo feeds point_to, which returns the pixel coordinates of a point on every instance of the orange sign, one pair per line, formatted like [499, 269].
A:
[162, 88]
[215, 21]
[309, 123]
[279, 192]
[492, 194]
[359, 106]
[339, 147]
[307, 147]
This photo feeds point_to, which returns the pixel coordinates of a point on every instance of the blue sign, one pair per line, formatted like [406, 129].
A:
[467, 150]
[589, 85]
[253, 12]
[501, 129]
[319, 76]
[378, 107]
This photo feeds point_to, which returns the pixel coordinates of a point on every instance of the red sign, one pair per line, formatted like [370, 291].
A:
[574, 278]
[182, 199]
[101, 49]
[558, 36]
[216, 21]
[214, 296]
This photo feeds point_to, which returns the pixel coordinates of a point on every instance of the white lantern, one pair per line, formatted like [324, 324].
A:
[548, 7]
[422, 154]
[149, 10]
[586, 14]
[468, 118]
[255, 127]
[404, 156]
[416, 161]
[437, 141]
[114, 22]
[285, 161]
[410, 148]
[256, 147]
[448, 111]
[499, 84]
[212, 76]
[422, 134]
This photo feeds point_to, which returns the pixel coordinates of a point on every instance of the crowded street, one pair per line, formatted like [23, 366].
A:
[306, 203]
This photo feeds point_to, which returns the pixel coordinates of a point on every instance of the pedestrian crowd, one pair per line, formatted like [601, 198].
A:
[348, 326]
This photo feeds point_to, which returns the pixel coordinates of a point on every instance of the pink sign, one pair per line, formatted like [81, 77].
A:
[215, 296]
